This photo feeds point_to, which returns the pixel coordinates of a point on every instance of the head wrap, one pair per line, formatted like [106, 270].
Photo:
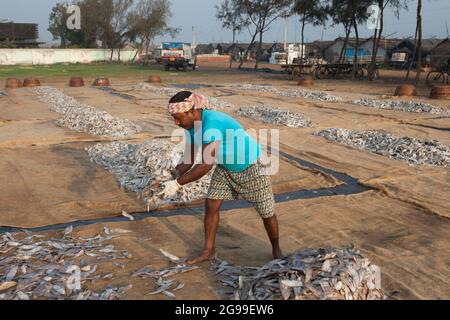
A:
[195, 101]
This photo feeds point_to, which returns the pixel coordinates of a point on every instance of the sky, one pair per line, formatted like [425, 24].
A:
[201, 15]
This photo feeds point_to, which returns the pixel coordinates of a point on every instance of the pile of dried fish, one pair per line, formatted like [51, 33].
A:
[165, 286]
[37, 267]
[139, 167]
[306, 94]
[269, 114]
[84, 118]
[405, 106]
[411, 150]
[326, 274]
[166, 91]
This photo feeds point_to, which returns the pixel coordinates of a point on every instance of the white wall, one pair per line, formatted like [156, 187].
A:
[10, 57]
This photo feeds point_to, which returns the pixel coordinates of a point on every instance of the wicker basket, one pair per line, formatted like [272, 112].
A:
[76, 82]
[440, 92]
[154, 79]
[31, 82]
[406, 90]
[12, 83]
[306, 81]
[102, 82]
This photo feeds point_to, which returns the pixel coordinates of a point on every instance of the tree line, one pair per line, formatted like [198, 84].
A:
[113, 22]
[257, 16]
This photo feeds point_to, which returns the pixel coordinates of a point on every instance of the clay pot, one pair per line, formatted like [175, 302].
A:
[12, 83]
[306, 81]
[76, 82]
[406, 90]
[31, 82]
[154, 79]
[440, 92]
[102, 82]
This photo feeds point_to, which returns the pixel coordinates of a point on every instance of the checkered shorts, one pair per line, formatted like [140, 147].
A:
[252, 185]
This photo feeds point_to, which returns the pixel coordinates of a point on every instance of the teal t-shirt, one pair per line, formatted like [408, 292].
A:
[238, 150]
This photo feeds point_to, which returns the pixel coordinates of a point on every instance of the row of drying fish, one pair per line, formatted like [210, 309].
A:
[38, 267]
[405, 106]
[273, 115]
[325, 274]
[166, 91]
[84, 118]
[142, 168]
[306, 94]
[411, 150]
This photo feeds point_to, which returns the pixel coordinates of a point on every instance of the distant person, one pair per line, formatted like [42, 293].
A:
[238, 174]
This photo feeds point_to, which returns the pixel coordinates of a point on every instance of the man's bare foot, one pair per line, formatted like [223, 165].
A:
[277, 254]
[206, 255]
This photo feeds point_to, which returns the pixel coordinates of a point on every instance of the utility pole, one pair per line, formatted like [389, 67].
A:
[285, 31]
[194, 40]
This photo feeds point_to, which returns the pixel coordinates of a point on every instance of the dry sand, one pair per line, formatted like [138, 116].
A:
[402, 223]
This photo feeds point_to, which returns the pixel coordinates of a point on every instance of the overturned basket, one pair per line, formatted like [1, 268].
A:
[154, 79]
[440, 92]
[12, 83]
[31, 82]
[306, 81]
[101, 82]
[76, 82]
[406, 90]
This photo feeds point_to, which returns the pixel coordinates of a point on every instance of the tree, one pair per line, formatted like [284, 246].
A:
[57, 23]
[150, 19]
[340, 14]
[232, 16]
[359, 14]
[311, 12]
[417, 45]
[419, 41]
[58, 28]
[261, 13]
[396, 5]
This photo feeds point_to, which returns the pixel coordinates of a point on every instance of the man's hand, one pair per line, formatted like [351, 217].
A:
[170, 189]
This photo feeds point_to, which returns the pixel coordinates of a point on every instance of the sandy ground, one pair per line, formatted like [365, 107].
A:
[401, 223]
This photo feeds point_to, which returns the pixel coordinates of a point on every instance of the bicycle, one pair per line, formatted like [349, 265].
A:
[438, 77]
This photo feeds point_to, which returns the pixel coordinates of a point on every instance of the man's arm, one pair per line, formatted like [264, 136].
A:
[201, 170]
[188, 162]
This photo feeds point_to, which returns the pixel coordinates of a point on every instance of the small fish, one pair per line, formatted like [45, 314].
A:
[22, 296]
[11, 273]
[59, 290]
[7, 285]
[128, 216]
[68, 230]
[170, 256]
[168, 294]
[120, 231]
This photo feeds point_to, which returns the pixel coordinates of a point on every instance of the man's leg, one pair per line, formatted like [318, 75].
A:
[271, 225]
[212, 218]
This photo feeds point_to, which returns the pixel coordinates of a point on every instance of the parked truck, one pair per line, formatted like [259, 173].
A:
[177, 55]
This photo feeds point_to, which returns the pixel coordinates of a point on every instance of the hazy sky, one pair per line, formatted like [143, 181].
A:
[201, 14]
